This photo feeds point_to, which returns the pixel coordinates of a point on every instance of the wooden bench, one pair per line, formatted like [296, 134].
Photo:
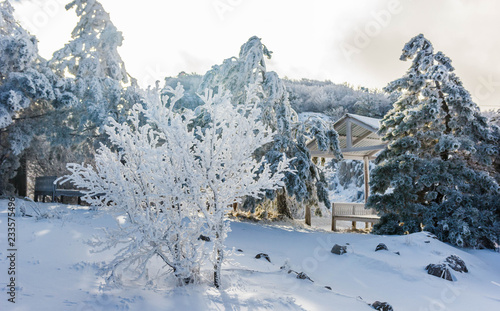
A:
[45, 185]
[353, 212]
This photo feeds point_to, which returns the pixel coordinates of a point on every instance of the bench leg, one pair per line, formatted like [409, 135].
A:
[354, 225]
[79, 200]
[367, 225]
[334, 224]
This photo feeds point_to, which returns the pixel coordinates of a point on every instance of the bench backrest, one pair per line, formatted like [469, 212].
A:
[340, 209]
[45, 183]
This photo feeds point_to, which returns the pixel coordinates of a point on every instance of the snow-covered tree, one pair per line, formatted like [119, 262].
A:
[346, 180]
[493, 116]
[18, 52]
[494, 121]
[190, 83]
[235, 75]
[30, 93]
[336, 99]
[92, 58]
[435, 165]
[144, 182]
[173, 182]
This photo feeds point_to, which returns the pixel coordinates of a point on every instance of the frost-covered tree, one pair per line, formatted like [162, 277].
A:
[433, 173]
[18, 53]
[144, 183]
[92, 58]
[493, 116]
[494, 120]
[30, 93]
[336, 99]
[172, 181]
[224, 162]
[190, 83]
[236, 74]
[346, 180]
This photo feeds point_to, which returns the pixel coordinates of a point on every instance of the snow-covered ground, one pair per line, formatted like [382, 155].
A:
[55, 270]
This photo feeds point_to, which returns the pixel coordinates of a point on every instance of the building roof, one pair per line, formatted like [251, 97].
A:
[358, 138]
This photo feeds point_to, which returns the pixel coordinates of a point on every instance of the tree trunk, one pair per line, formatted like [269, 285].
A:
[308, 215]
[282, 206]
[219, 257]
[217, 268]
[20, 181]
[182, 279]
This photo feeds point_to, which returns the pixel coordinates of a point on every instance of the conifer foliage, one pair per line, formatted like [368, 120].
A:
[30, 94]
[433, 173]
[92, 58]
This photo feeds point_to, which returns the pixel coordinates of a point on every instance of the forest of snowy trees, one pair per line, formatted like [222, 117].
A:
[192, 145]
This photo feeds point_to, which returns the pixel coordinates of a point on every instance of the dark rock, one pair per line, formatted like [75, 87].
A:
[204, 238]
[397, 253]
[300, 275]
[339, 250]
[381, 247]
[328, 287]
[427, 241]
[240, 250]
[456, 263]
[440, 270]
[262, 255]
[382, 306]
[303, 276]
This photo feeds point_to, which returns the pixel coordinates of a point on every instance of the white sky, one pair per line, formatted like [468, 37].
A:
[358, 42]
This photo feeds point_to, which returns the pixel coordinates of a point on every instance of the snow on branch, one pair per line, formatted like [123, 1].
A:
[169, 180]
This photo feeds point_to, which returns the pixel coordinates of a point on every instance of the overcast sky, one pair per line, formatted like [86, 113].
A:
[358, 42]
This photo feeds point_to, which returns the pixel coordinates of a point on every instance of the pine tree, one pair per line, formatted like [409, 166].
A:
[435, 165]
[92, 58]
[235, 75]
[30, 94]
[494, 121]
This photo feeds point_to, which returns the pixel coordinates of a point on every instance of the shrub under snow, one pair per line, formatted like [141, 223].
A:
[168, 181]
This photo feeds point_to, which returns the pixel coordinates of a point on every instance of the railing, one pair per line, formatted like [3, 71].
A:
[353, 212]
